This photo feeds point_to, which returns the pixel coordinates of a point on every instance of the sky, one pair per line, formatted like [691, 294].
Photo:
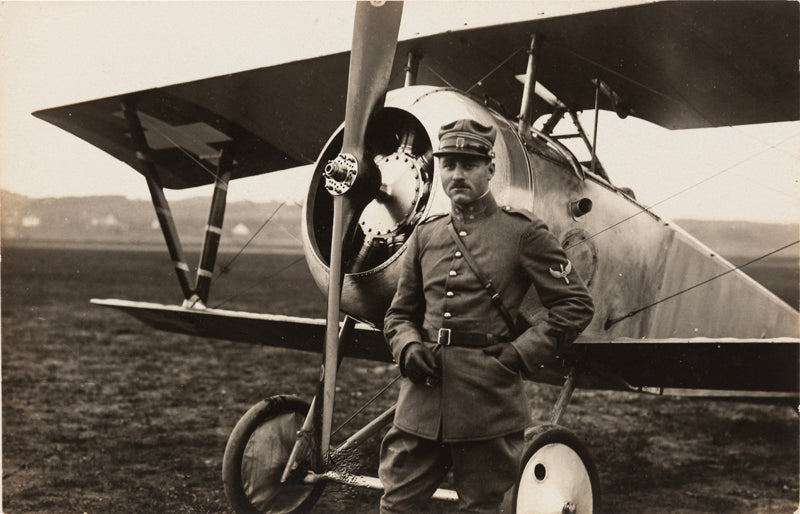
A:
[58, 53]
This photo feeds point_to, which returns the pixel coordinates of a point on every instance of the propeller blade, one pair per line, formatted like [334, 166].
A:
[371, 56]
[332, 324]
[354, 184]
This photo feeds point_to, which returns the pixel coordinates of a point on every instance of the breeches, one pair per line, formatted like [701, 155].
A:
[411, 469]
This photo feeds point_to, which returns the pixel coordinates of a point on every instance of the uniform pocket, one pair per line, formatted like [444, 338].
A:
[473, 368]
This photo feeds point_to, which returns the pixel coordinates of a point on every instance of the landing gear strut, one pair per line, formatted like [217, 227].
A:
[557, 473]
[255, 457]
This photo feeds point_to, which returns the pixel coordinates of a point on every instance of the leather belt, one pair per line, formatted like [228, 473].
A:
[449, 337]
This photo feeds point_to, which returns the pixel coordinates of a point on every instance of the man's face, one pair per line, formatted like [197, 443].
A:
[465, 178]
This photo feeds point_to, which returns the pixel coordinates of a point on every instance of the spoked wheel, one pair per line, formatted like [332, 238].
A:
[257, 451]
[557, 475]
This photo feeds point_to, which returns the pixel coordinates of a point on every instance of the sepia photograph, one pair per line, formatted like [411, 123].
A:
[400, 257]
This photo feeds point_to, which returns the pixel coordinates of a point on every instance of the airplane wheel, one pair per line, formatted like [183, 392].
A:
[556, 474]
[257, 451]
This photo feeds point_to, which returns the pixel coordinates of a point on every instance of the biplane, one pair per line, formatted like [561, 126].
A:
[671, 314]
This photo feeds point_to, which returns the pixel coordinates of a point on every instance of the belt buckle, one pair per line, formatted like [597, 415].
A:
[444, 337]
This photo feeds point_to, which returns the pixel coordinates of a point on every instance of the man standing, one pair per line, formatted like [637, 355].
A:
[462, 405]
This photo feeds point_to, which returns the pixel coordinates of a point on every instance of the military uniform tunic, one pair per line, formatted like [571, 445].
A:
[478, 397]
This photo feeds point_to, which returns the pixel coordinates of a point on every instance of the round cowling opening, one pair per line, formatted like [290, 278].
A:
[399, 142]
[400, 148]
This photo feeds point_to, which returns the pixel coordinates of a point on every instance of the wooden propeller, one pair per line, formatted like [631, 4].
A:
[351, 178]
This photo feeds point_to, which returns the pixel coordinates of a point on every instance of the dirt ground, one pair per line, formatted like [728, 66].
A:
[103, 414]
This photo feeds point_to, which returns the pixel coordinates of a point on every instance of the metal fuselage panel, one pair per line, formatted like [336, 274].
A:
[633, 259]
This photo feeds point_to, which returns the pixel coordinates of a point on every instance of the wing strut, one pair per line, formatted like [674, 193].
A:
[216, 215]
[163, 212]
[197, 296]
[411, 69]
[525, 109]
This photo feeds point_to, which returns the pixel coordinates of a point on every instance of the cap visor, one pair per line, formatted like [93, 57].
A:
[461, 152]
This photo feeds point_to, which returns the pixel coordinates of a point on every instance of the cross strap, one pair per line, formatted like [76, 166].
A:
[497, 301]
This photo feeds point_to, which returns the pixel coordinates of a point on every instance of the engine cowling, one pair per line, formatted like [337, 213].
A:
[401, 139]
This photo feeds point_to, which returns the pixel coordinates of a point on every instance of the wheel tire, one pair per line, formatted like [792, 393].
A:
[556, 470]
[257, 451]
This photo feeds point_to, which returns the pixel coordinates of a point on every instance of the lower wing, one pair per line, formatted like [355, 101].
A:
[247, 327]
[698, 366]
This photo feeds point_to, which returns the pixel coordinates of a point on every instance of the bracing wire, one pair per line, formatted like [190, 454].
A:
[679, 100]
[775, 147]
[613, 321]
[188, 154]
[620, 75]
[765, 186]
[644, 209]
[438, 75]
[228, 264]
[258, 282]
[771, 146]
[647, 209]
[493, 70]
[367, 404]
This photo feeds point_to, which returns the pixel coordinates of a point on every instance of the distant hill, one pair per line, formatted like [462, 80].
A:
[744, 239]
[116, 219]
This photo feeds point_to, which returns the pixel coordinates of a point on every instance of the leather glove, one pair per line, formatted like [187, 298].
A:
[506, 354]
[543, 352]
[420, 364]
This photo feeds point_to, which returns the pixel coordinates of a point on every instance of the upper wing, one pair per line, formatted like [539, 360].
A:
[271, 119]
[676, 64]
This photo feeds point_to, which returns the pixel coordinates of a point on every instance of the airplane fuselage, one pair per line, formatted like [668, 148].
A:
[630, 257]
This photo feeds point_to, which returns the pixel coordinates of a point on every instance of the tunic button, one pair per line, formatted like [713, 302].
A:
[462, 233]
[447, 315]
[453, 273]
[449, 294]
[458, 254]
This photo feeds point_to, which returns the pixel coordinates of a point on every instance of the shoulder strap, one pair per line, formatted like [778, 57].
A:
[487, 284]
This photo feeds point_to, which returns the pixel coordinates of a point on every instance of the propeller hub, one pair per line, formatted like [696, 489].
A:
[340, 174]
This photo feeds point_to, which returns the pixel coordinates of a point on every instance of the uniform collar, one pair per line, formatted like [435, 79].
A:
[481, 208]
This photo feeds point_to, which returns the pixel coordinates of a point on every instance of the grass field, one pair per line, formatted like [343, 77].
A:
[103, 414]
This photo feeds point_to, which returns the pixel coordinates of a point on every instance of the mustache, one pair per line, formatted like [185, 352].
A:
[458, 184]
